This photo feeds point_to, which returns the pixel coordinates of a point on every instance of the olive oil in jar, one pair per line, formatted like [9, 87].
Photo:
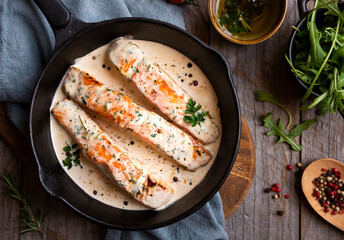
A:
[238, 16]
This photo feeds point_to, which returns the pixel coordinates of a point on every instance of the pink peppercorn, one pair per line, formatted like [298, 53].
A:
[323, 169]
[286, 196]
[276, 185]
[273, 189]
[316, 194]
[334, 212]
[335, 187]
[326, 210]
[330, 184]
[334, 170]
[290, 167]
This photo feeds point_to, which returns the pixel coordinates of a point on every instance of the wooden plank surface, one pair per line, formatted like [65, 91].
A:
[262, 67]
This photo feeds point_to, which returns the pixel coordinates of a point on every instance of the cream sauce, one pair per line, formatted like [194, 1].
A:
[89, 177]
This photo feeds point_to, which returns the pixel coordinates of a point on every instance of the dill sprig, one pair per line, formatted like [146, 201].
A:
[31, 221]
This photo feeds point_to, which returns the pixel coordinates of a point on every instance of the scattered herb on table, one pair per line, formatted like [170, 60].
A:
[73, 156]
[319, 59]
[238, 16]
[278, 130]
[268, 97]
[194, 117]
[31, 221]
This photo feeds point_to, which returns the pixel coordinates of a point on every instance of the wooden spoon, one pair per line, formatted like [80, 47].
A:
[313, 171]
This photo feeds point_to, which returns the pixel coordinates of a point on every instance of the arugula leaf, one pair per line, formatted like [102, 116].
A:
[298, 129]
[278, 130]
[268, 97]
[319, 60]
[316, 51]
[332, 8]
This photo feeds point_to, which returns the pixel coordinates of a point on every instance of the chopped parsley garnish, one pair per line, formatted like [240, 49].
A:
[195, 116]
[132, 180]
[149, 66]
[153, 135]
[84, 101]
[73, 156]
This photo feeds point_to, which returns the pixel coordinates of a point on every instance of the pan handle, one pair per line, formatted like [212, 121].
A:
[63, 23]
[302, 7]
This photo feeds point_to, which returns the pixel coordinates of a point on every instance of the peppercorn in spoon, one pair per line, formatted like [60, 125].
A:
[323, 186]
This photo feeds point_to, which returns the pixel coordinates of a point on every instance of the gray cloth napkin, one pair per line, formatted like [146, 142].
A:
[26, 43]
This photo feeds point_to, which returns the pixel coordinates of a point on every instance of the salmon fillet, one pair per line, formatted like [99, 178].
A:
[144, 185]
[159, 87]
[121, 110]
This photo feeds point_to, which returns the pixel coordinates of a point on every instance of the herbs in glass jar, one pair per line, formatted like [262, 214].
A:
[238, 16]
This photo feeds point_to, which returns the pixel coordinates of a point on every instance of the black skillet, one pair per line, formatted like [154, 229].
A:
[300, 25]
[74, 39]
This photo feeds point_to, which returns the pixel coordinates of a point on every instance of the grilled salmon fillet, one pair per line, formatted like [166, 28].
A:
[159, 87]
[145, 186]
[121, 110]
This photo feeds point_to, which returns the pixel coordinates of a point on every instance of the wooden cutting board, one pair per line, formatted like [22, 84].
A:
[237, 184]
[232, 192]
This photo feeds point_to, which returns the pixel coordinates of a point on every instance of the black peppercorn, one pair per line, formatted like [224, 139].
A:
[280, 213]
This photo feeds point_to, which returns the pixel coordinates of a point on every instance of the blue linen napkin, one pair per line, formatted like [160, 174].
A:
[26, 43]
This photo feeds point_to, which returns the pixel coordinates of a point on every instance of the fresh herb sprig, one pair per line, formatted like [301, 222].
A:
[268, 97]
[195, 116]
[239, 16]
[319, 59]
[278, 130]
[73, 156]
[31, 221]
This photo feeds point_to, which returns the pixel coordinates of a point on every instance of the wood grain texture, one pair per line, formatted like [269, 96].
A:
[312, 172]
[262, 67]
[240, 178]
[324, 140]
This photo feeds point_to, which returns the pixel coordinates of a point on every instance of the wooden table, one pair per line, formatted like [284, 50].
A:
[255, 67]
